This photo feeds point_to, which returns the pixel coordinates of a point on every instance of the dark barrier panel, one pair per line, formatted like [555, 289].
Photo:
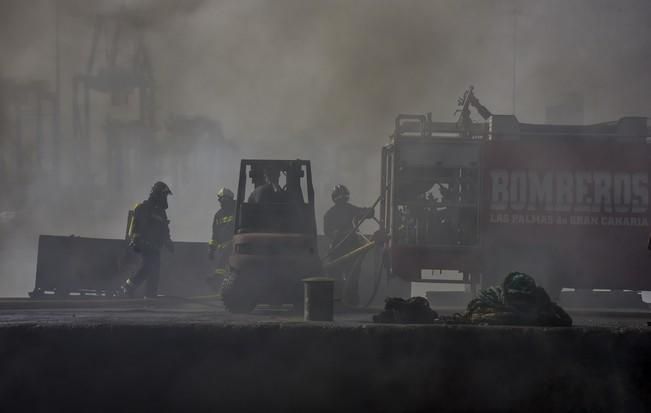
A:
[73, 264]
[88, 265]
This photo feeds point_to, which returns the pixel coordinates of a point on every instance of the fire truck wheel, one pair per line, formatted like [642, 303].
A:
[236, 297]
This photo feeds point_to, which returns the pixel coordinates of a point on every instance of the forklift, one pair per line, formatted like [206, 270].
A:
[275, 242]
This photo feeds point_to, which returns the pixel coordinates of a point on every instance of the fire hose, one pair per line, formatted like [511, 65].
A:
[361, 250]
[357, 253]
[349, 256]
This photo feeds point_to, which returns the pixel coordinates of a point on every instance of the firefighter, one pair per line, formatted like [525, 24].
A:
[338, 224]
[148, 233]
[270, 191]
[223, 225]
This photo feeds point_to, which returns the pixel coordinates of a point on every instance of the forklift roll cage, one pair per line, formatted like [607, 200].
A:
[294, 216]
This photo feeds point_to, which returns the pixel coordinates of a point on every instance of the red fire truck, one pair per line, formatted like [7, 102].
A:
[566, 204]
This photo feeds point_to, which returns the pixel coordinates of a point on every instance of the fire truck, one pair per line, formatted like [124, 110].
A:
[567, 204]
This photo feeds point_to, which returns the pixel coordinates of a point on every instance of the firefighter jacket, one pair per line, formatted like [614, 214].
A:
[223, 225]
[149, 229]
[338, 222]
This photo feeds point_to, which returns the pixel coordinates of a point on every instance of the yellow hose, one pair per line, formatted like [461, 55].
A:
[350, 255]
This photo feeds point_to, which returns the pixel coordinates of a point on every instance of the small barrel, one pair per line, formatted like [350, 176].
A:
[319, 298]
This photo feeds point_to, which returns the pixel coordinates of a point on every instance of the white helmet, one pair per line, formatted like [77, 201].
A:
[225, 193]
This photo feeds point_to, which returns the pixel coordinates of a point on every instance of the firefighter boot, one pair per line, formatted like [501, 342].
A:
[128, 289]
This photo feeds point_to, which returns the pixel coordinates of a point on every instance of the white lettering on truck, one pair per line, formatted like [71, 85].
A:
[564, 191]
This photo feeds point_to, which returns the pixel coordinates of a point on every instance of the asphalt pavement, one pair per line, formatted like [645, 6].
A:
[209, 310]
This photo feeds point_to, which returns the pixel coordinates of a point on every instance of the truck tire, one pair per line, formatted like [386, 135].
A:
[237, 298]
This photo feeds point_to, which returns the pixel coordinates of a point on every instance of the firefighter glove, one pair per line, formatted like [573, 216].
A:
[135, 243]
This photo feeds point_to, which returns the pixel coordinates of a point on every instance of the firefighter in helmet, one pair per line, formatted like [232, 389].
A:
[338, 224]
[223, 225]
[149, 232]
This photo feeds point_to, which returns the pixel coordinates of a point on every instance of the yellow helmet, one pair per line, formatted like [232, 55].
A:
[225, 193]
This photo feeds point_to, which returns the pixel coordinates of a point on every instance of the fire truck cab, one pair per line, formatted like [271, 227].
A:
[566, 204]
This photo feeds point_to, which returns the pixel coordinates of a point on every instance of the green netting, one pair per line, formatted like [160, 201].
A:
[518, 301]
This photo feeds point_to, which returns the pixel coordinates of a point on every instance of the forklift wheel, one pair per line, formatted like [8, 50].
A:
[237, 298]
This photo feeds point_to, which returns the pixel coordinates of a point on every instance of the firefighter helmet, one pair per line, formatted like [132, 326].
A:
[340, 194]
[161, 188]
[225, 193]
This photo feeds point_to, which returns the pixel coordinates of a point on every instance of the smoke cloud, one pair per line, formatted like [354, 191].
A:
[321, 80]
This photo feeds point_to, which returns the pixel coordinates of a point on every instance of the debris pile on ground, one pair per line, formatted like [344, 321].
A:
[415, 310]
[518, 301]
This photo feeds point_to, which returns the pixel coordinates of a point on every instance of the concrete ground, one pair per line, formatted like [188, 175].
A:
[176, 310]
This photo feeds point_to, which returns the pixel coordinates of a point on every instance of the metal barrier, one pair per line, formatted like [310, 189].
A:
[96, 266]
